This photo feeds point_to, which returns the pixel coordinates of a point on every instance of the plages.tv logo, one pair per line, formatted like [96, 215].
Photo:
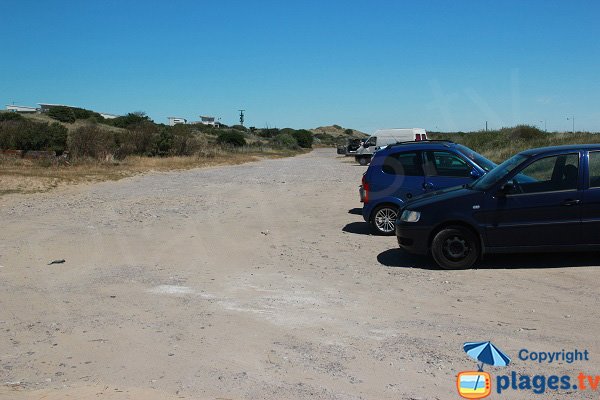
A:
[478, 384]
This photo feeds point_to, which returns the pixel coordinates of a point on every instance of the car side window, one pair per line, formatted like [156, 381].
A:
[548, 174]
[594, 167]
[408, 164]
[445, 163]
[371, 142]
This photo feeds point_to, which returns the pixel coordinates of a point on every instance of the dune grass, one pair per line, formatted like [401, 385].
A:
[501, 144]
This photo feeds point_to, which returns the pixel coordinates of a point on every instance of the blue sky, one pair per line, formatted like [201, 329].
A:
[441, 65]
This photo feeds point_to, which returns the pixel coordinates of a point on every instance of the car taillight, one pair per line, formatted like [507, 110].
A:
[365, 186]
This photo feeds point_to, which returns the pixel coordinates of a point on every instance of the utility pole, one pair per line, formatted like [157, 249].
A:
[486, 126]
[572, 119]
[241, 117]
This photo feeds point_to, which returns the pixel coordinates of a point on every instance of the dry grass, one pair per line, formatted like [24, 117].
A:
[33, 176]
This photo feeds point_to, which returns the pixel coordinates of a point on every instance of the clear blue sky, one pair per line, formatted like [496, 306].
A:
[445, 65]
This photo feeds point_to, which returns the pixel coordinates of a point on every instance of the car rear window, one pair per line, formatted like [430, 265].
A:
[408, 164]
[594, 169]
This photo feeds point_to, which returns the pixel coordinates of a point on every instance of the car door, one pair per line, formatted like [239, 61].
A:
[401, 177]
[590, 207]
[544, 209]
[445, 169]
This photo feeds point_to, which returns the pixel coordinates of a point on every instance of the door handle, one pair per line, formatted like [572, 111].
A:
[427, 185]
[570, 202]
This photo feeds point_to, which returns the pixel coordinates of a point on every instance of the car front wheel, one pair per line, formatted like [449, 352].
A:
[363, 160]
[455, 247]
[384, 220]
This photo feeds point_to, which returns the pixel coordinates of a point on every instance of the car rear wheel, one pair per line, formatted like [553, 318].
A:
[383, 221]
[455, 247]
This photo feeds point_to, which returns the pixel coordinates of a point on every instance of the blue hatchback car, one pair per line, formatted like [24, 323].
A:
[545, 199]
[402, 171]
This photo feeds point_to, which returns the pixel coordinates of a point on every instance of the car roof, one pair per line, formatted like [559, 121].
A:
[417, 145]
[560, 149]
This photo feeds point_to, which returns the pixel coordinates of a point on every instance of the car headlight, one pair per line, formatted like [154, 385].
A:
[410, 216]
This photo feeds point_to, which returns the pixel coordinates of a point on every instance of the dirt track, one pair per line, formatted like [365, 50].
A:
[260, 281]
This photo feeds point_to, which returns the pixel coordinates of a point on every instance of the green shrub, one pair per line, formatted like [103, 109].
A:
[526, 132]
[337, 126]
[129, 120]
[29, 135]
[304, 138]
[140, 139]
[232, 138]
[10, 116]
[286, 140]
[81, 113]
[239, 128]
[57, 137]
[348, 131]
[62, 114]
[268, 132]
[287, 131]
[325, 138]
[91, 141]
[184, 141]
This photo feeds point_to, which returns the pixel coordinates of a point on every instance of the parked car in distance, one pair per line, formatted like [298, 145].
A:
[350, 148]
[384, 137]
[402, 171]
[544, 199]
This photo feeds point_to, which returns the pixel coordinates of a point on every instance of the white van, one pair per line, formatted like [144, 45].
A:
[383, 137]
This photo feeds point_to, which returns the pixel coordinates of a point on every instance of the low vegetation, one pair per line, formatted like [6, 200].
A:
[84, 134]
[18, 133]
[89, 147]
[498, 145]
[335, 135]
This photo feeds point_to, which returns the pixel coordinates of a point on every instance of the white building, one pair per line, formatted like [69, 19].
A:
[205, 120]
[176, 120]
[45, 107]
[108, 116]
[21, 109]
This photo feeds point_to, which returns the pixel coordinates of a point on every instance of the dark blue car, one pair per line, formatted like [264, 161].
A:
[545, 199]
[400, 172]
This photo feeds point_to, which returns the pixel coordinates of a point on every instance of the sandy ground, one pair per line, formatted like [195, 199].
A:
[261, 281]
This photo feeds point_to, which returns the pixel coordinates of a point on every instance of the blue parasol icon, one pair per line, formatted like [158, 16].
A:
[486, 353]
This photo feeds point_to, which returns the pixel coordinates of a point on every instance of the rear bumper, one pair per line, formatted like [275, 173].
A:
[366, 213]
[361, 194]
[414, 240]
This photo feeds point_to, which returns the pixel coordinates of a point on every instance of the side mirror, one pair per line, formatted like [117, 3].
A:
[505, 189]
[475, 174]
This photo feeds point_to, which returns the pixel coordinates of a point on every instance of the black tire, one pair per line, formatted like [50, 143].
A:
[455, 247]
[363, 160]
[383, 220]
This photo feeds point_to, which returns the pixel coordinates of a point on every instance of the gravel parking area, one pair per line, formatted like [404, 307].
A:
[261, 281]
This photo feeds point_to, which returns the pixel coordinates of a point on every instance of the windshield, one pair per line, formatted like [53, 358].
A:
[480, 160]
[490, 179]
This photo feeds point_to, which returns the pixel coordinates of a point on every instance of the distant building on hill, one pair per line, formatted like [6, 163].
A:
[108, 116]
[206, 120]
[45, 107]
[21, 109]
[176, 120]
